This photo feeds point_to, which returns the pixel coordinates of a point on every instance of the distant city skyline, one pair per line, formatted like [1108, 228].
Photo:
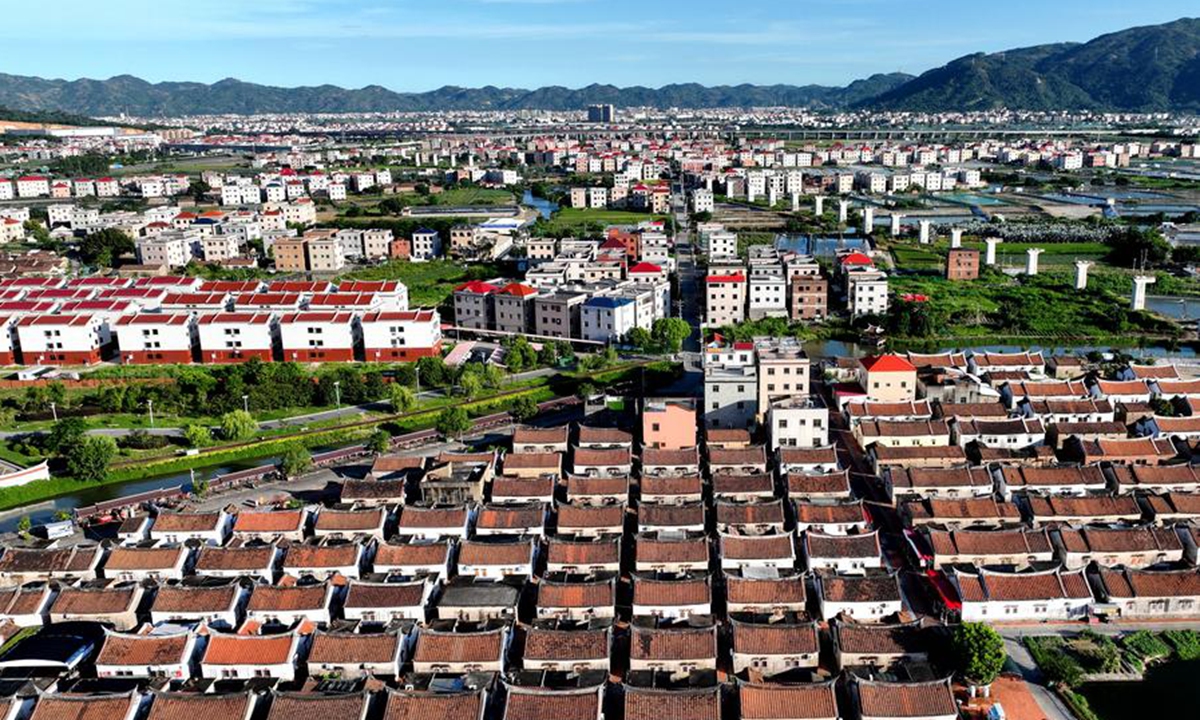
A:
[406, 45]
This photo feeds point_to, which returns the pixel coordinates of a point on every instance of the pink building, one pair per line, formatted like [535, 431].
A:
[669, 424]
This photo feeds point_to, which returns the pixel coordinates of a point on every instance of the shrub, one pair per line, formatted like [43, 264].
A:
[1146, 645]
[1055, 664]
[1185, 642]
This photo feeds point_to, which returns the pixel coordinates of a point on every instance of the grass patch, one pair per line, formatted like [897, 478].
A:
[1043, 306]
[570, 219]
[429, 283]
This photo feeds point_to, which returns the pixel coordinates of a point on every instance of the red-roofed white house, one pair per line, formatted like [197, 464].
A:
[109, 311]
[195, 302]
[408, 335]
[33, 186]
[267, 302]
[230, 337]
[60, 339]
[11, 230]
[8, 336]
[152, 338]
[356, 302]
[317, 336]
[725, 299]
[391, 294]
[647, 272]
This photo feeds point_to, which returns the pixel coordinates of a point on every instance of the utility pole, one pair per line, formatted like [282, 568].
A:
[150, 405]
[337, 391]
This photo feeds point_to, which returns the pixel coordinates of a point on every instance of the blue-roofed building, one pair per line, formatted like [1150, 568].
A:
[608, 318]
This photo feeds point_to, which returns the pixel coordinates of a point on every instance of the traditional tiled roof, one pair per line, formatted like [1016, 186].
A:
[765, 591]
[291, 598]
[188, 706]
[384, 595]
[143, 650]
[906, 700]
[882, 639]
[775, 638]
[665, 593]
[464, 647]
[409, 705]
[676, 643]
[540, 704]
[566, 645]
[852, 589]
[317, 706]
[226, 649]
[806, 701]
[342, 648]
[653, 704]
[191, 600]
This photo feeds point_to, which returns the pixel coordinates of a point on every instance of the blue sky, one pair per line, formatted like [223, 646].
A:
[413, 45]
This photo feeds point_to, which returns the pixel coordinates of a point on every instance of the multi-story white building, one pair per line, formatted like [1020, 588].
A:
[60, 339]
[725, 297]
[608, 318]
[867, 293]
[730, 386]
[317, 336]
[407, 335]
[155, 338]
[426, 245]
[227, 337]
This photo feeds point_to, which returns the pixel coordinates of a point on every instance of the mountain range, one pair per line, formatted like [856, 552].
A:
[1145, 69]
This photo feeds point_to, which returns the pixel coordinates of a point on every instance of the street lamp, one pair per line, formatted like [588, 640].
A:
[150, 405]
[337, 390]
[246, 403]
[54, 411]
[418, 370]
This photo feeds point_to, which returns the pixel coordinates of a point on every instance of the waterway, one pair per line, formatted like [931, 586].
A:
[1176, 308]
[44, 512]
[544, 207]
[1168, 691]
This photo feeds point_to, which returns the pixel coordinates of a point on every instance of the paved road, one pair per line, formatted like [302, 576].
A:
[1049, 702]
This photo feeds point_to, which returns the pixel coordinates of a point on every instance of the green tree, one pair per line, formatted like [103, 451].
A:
[453, 422]
[523, 408]
[24, 525]
[37, 231]
[640, 338]
[197, 435]
[65, 433]
[379, 442]
[89, 458]
[433, 372]
[295, 461]
[402, 397]
[237, 425]
[470, 384]
[979, 651]
[670, 333]
[103, 247]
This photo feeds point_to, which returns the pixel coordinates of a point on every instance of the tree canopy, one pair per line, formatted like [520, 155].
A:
[979, 651]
